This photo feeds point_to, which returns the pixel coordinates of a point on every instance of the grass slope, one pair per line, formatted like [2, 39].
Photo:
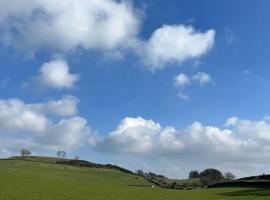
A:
[187, 182]
[32, 180]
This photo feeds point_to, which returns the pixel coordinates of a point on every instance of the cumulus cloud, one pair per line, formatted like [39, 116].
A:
[202, 77]
[133, 135]
[66, 106]
[65, 25]
[175, 44]
[141, 136]
[41, 126]
[245, 141]
[181, 80]
[255, 130]
[11, 146]
[107, 25]
[16, 115]
[66, 134]
[55, 74]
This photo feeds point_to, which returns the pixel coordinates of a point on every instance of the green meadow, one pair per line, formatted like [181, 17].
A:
[32, 180]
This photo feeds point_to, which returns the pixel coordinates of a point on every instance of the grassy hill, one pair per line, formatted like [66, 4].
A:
[42, 179]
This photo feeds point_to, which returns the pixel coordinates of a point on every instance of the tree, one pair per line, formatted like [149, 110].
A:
[194, 174]
[24, 153]
[229, 176]
[58, 154]
[61, 154]
[140, 172]
[76, 158]
[211, 176]
[64, 154]
[174, 184]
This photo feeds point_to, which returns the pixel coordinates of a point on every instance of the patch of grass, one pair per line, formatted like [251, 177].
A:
[190, 181]
[176, 183]
[263, 192]
[27, 180]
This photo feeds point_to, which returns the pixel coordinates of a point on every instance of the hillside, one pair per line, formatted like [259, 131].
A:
[263, 177]
[38, 180]
[71, 162]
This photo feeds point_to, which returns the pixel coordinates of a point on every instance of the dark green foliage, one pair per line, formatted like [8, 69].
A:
[211, 176]
[83, 163]
[149, 174]
[263, 177]
[229, 176]
[194, 174]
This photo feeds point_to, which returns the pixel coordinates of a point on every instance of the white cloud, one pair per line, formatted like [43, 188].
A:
[169, 142]
[66, 106]
[12, 146]
[107, 25]
[175, 44]
[133, 135]
[66, 134]
[72, 24]
[231, 121]
[202, 77]
[38, 125]
[255, 130]
[181, 80]
[245, 142]
[55, 74]
[16, 115]
[141, 136]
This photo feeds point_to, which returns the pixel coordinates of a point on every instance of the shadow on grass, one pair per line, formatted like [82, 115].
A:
[247, 192]
[139, 185]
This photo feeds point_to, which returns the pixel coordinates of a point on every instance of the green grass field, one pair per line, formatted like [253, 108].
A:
[28, 180]
[187, 182]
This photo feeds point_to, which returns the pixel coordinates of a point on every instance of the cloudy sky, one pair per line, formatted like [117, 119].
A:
[148, 84]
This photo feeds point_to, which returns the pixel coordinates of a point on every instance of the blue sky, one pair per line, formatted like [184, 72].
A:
[120, 81]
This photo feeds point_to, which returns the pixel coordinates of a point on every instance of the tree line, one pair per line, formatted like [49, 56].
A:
[196, 179]
[59, 154]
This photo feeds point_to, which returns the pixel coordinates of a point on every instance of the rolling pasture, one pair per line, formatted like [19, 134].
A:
[32, 180]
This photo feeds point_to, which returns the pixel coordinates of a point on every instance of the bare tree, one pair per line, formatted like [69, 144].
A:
[58, 154]
[24, 153]
[61, 154]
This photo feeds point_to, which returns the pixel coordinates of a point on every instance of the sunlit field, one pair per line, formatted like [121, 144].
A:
[28, 180]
